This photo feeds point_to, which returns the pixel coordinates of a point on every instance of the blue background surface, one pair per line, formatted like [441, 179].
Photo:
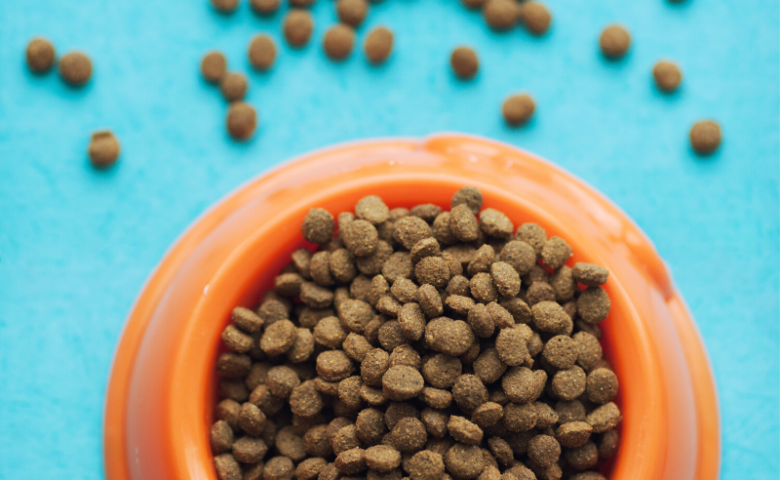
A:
[77, 244]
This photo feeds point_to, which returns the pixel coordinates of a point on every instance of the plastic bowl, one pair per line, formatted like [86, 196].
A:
[161, 390]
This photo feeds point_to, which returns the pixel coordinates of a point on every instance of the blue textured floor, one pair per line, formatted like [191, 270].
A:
[76, 245]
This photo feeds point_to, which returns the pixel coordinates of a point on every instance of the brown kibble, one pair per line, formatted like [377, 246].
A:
[246, 320]
[262, 52]
[464, 431]
[378, 45]
[352, 12]
[430, 301]
[463, 223]
[290, 444]
[221, 437]
[459, 285]
[310, 468]
[103, 149]
[279, 468]
[483, 289]
[402, 383]
[355, 315]
[228, 410]
[227, 467]
[251, 419]
[329, 472]
[569, 384]
[495, 224]
[465, 64]
[518, 109]
[351, 462]
[409, 435]
[370, 427]
[561, 352]
[433, 271]
[602, 385]
[667, 76]
[452, 337]
[563, 284]
[570, 411]
[442, 231]
[224, 6]
[278, 338]
[512, 347]
[249, 450]
[573, 434]
[590, 275]
[342, 265]
[372, 265]
[360, 288]
[317, 226]
[349, 392]
[589, 350]
[75, 68]
[213, 67]
[344, 439]
[488, 366]
[583, 457]
[269, 403]
[334, 365]
[305, 400]
[549, 316]
[544, 450]
[614, 41]
[546, 416]
[338, 41]
[469, 392]
[523, 385]
[470, 196]
[374, 367]
[427, 247]
[371, 208]
[405, 354]
[436, 397]
[435, 422]
[705, 136]
[590, 475]
[539, 292]
[426, 211]
[441, 371]
[316, 442]
[533, 235]
[609, 444]
[555, 252]
[281, 380]
[464, 461]
[241, 120]
[520, 417]
[233, 365]
[480, 321]
[535, 17]
[360, 237]
[426, 465]
[264, 7]
[40, 55]
[233, 86]
[505, 278]
[382, 458]
[500, 14]
[593, 305]
[236, 340]
[397, 411]
[298, 25]
[391, 307]
[329, 333]
[410, 230]
[303, 346]
[356, 346]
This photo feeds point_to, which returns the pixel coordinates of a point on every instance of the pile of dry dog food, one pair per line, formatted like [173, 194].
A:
[419, 344]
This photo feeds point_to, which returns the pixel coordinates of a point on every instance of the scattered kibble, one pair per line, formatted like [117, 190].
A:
[264, 7]
[103, 149]
[225, 6]
[422, 353]
[241, 120]
[75, 68]
[262, 52]
[667, 76]
[213, 67]
[614, 41]
[464, 62]
[705, 137]
[352, 12]
[536, 17]
[298, 25]
[501, 14]
[518, 109]
[40, 55]
[378, 44]
[338, 41]
[233, 86]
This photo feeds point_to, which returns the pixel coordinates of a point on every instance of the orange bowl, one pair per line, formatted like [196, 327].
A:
[161, 391]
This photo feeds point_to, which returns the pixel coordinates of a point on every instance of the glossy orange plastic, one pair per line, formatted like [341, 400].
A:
[161, 391]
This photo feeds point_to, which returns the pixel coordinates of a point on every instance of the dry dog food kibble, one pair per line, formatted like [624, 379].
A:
[352, 12]
[614, 41]
[501, 14]
[241, 120]
[233, 86]
[264, 7]
[75, 68]
[518, 109]
[667, 76]
[213, 67]
[225, 6]
[338, 41]
[378, 45]
[103, 149]
[40, 55]
[450, 346]
[464, 62]
[705, 136]
[262, 52]
[535, 17]
[298, 25]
